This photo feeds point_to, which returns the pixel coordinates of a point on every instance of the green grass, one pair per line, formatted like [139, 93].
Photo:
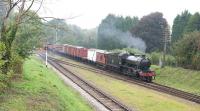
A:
[183, 79]
[40, 89]
[135, 96]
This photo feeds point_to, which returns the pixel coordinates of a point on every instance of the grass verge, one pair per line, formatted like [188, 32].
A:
[179, 78]
[40, 89]
[142, 99]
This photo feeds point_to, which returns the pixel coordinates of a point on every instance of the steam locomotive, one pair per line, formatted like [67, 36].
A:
[132, 65]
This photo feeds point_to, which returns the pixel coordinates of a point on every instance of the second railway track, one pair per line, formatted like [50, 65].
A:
[109, 102]
[154, 86]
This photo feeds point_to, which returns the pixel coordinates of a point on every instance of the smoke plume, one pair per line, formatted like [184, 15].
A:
[109, 30]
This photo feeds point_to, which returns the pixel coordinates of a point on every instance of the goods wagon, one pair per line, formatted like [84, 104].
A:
[77, 52]
[92, 54]
[70, 50]
[50, 46]
[83, 53]
[101, 57]
[66, 48]
[58, 48]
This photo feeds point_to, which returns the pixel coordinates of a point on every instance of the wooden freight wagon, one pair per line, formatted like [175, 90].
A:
[92, 53]
[70, 50]
[58, 48]
[66, 49]
[83, 53]
[101, 57]
[77, 51]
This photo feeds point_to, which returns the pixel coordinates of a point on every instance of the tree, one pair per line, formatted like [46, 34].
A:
[69, 34]
[29, 36]
[127, 23]
[187, 50]
[113, 32]
[179, 25]
[3, 7]
[55, 30]
[150, 28]
[9, 26]
[193, 23]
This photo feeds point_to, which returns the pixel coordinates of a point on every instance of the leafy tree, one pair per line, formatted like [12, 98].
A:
[179, 25]
[69, 34]
[9, 27]
[53, 27]
[127, 23]
[187, 50]
[29, 36]
[150, 28]
[113, 31]
[193, 23]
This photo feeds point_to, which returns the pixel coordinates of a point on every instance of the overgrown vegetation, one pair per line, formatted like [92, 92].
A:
[31, 93]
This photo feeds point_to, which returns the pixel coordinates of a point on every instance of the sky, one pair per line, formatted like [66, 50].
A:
[88, 14]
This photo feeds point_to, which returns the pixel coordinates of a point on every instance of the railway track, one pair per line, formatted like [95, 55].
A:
[108, 101]
[154, 86]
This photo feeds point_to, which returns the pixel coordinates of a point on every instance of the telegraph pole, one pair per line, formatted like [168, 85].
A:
[46, 61]
[46, 56]
[56, 33]
[166, 40]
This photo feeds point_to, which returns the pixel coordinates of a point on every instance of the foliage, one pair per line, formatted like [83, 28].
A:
[187, 50]
[127, 23]
[179, 25]
[29, 36]
[150, 28]
[193, 23]
[17, 64]
[113, 32]
[69, 34]
[156, 56]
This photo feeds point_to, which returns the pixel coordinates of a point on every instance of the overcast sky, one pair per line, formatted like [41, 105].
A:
[89, 13]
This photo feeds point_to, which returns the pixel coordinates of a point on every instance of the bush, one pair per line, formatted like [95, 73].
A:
[156, 56]
[187, 50]
[5, 80]
[17, 64]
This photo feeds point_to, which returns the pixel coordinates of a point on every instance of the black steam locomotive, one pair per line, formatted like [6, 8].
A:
[132, 65]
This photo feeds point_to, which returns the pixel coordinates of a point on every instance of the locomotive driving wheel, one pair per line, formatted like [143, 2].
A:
[148, 79]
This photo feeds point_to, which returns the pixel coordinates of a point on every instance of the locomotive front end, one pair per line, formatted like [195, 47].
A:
[142, 66]
[145, 72]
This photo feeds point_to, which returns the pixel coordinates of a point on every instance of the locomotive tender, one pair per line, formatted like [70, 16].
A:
[128, 64]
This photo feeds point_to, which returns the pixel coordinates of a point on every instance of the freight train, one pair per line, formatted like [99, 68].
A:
[132, 65]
